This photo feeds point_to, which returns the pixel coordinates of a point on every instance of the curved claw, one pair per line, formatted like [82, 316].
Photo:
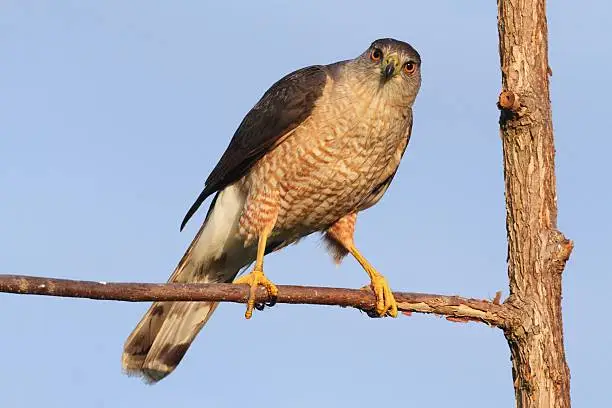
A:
[262, 306]
[385, 301]
[253, 279]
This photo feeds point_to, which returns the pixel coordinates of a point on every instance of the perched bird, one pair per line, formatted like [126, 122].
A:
[321, 145]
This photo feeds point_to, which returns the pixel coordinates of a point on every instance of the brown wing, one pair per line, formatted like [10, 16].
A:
[280, 110]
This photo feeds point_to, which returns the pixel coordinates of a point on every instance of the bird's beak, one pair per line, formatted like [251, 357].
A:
[390, 67]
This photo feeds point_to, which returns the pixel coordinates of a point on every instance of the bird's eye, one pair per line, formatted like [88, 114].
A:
[409, 67]
[376, 55]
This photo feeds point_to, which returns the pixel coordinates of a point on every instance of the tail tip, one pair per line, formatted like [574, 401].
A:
[148, 376]
[150, 373]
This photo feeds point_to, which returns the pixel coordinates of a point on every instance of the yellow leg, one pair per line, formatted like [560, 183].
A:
[385, 302]
[257, 277]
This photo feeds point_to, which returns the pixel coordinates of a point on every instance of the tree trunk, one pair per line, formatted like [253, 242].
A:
[537, 251]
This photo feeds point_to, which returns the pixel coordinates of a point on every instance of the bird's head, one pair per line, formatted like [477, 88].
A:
[392, 66]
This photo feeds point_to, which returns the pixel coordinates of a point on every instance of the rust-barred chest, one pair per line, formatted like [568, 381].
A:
[328, 167]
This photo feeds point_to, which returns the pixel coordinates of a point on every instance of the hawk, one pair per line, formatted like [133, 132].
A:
[320, 146]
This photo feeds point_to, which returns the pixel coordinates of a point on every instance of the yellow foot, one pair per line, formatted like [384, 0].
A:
[253, 279]
[385, 301]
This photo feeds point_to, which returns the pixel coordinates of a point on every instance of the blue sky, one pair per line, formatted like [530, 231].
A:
[113, 113]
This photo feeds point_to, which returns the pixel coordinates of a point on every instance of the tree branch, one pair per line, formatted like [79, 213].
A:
[455, 308]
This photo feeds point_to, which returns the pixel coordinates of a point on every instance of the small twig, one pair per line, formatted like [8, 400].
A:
[455, 307]
[509, 100]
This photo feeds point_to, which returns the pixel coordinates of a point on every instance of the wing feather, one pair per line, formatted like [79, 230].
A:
[280, 110]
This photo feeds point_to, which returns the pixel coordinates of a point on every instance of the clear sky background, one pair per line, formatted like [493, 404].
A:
[113, 113]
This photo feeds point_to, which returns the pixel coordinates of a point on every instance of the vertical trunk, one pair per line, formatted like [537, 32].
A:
[537, 252]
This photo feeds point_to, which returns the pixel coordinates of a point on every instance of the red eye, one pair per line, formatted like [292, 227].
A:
[410, 67]
[376, 55]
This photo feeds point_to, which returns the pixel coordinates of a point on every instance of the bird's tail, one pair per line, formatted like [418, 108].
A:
[161, 339]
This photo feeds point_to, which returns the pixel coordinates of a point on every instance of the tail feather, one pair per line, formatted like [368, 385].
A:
[162, 337]
[139, 342]
[181, 324]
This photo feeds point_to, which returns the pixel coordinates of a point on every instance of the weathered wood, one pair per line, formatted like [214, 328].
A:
[537, 251]
[453, 307]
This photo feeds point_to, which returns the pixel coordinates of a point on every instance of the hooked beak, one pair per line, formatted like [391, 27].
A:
[388, 73]
[389, 67]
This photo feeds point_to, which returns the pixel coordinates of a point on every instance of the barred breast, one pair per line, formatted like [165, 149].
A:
[332, 162]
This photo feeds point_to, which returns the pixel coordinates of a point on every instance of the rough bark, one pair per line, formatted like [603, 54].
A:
[454, 308]
[537, 251]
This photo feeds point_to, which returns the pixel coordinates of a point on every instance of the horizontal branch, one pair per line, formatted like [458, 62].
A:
[454, 308]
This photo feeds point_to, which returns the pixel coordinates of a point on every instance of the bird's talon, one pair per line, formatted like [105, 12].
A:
[385, 301]
[253, 279]
[372, 313]
[260, 306]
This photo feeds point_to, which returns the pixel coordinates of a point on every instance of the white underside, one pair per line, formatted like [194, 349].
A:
[182, 321]
[220, 235]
